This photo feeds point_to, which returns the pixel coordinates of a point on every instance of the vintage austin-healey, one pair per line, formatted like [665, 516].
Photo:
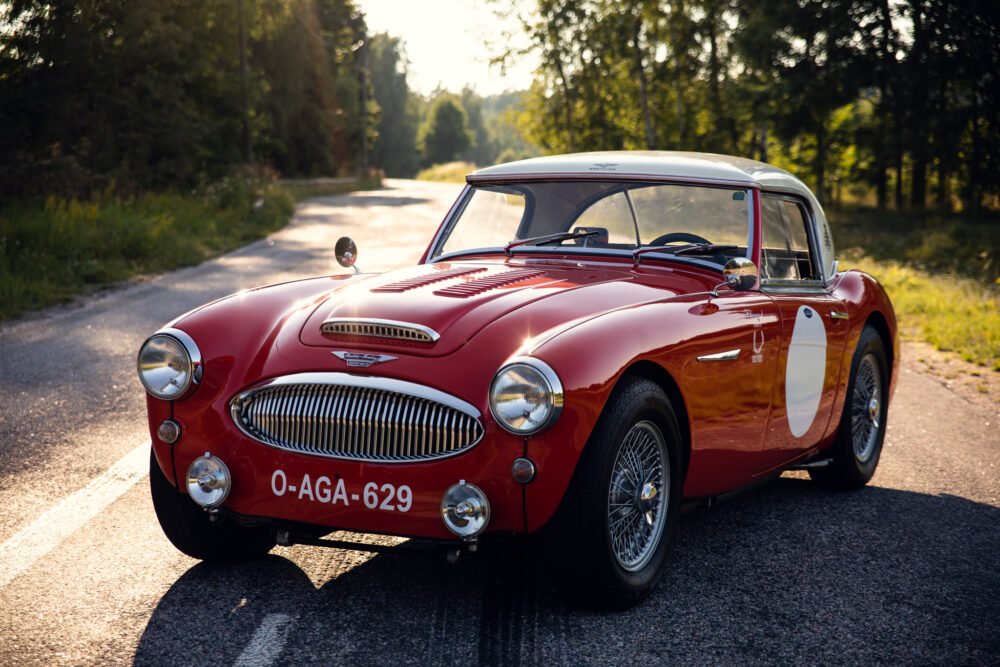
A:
[588, 341]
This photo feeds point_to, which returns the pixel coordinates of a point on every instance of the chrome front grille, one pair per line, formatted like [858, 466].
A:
[339, 415]
[350, 326]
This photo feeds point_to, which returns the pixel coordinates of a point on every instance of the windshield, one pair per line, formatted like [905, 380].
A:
[604, 216]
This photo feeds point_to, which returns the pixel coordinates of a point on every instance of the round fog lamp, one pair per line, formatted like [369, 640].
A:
[465, 510]
[208, 481]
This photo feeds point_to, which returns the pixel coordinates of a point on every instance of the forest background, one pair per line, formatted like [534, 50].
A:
[140, 135]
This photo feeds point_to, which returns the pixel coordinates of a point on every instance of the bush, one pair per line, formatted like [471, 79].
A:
[52, 251]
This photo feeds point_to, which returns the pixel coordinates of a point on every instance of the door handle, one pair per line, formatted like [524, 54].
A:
[839, 315]
[731, 355]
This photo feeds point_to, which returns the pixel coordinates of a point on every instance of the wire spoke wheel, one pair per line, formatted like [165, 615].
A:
[638, 496]
[866, 408]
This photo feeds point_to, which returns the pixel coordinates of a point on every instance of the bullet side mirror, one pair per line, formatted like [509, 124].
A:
[346, 252]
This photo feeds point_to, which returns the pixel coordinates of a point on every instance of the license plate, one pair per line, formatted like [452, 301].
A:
[371, 495]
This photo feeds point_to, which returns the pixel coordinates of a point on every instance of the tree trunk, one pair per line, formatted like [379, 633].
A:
[640, 69]
[918, 108]
[679, 109]
[883, 110]
[899, 162]
[819, 166]
[567, 104]
[714, 95]
[943, 196]
[973, 197]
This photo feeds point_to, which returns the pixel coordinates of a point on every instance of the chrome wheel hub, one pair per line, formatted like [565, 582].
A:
[866, 408]
[638, 496]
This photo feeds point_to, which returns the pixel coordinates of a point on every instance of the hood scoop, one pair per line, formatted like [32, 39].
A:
[358, 327]
[482, 284]
[426, 279]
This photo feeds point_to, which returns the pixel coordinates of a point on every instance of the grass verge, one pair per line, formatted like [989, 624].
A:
[328, 187]
[53, 251]
[450, 172]
[50, 252]
[950, 312]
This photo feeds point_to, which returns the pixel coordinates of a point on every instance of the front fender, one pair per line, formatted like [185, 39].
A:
[590, 357]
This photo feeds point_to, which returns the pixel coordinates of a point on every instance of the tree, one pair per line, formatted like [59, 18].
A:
[145, 94]
[395, 149]
[481, 151]
[444, 136]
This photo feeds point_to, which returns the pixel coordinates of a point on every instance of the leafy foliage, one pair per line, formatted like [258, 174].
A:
[445, 135]
[395, 150]
[860, 94]
[144, 94]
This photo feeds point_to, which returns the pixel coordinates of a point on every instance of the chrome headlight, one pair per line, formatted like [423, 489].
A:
[526, 396]
[169, 364]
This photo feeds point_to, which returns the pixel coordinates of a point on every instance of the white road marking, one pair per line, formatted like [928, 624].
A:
[32, 542]
[267, 642]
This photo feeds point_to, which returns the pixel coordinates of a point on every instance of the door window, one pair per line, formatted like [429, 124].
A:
[786, 254]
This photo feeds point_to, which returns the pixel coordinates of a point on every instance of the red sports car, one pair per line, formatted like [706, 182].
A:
[588, 341]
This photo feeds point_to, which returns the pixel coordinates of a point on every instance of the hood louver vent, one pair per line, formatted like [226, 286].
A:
[425, 279]
[486, 283]
[367, 328]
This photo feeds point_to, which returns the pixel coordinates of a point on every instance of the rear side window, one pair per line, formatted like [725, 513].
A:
[786, 253]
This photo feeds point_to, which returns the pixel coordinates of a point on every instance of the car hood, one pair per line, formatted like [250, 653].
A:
[450, 303]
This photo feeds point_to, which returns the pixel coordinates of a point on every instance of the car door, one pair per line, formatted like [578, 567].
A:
[814, 329]
[731, 360]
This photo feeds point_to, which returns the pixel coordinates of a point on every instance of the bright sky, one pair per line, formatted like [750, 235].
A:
[449, 42]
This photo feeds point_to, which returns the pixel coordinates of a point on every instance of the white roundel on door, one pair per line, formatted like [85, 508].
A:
[806, 370]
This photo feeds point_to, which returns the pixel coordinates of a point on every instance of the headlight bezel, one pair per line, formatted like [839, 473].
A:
[554, 391]
[195, 368]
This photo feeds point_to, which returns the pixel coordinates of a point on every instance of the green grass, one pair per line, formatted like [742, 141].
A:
[309, 189]
[53, 251]
[940, 272]
[938, 244]
[450, 172]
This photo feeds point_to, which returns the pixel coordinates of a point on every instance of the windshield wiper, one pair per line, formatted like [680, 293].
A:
[694, 249]
[704, 249]
[548, 238]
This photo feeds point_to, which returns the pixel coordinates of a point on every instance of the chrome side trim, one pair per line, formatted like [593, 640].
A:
[731, 355]
[377, 328]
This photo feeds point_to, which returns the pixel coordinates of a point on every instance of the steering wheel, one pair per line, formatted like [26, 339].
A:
[678, 237]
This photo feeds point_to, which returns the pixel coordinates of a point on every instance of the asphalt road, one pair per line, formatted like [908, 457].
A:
[906, 571]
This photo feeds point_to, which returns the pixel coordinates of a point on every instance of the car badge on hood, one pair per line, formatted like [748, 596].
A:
[362, 359]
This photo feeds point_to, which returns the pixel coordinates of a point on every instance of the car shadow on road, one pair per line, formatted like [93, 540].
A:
[785, 573]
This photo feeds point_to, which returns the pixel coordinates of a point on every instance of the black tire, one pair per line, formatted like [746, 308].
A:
[858, 444]
[187, 527]
[593, 568]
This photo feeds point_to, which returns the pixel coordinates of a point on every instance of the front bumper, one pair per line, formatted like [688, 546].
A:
[390, 498]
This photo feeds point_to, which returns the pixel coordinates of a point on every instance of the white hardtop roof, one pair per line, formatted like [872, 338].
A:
[667, 164]
[710, 168]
